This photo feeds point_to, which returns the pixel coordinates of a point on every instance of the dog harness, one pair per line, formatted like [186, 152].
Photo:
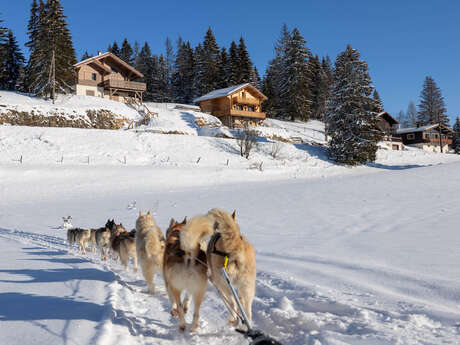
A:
[212, 246]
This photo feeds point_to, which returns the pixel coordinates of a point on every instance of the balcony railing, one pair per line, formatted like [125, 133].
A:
[240, 100]
[436, 140]
[245, 113]
[124, 85]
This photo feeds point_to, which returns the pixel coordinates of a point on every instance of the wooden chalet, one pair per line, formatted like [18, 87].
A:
[235, 105]
[108, 76]
[427, 137]
[388, 125]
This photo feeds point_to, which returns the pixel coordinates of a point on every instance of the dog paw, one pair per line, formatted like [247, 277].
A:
[174, 313]
[194, 329]
[182, 328]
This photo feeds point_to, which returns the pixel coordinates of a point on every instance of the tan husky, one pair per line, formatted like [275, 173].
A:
[71, 237]
[184, 268]
[82, 237]
[124, 246]
[150, 247]
[92, 239]
[103, 236]
[241, 267]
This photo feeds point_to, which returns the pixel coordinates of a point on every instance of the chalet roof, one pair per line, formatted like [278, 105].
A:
[97, 58]
[390, 118]
[228, 91]
[421, 129]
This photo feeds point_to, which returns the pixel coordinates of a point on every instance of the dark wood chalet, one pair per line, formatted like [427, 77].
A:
[107, 76]
[427, 137]
[388, 125]
[235, 105]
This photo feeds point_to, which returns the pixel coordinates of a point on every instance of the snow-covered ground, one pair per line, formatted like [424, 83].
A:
[365, 255]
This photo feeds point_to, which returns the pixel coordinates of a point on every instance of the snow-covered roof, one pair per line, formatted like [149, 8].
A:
[420, 129]
[388, 115]
[227, 91]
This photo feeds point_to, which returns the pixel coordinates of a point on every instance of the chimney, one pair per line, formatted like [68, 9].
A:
[98, 52]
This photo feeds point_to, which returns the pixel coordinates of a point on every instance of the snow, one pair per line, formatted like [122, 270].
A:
[365, 255]
[66, 105]
[220, 92]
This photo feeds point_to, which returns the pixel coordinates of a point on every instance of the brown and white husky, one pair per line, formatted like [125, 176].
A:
[184, 268]
[124, 246]
[149, 246]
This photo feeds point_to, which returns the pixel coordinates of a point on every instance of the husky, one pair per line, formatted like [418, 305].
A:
[82, 237]
[103, 236]
[150, 246]
[123, 246]
[71, 237]
[227, 242]
[92, 239]
[184, 267]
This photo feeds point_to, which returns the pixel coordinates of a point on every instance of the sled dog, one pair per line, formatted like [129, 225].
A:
[123, 246]
[103, 236]
[71, 237]
[92, 239]
[82, 237]
[227, 241]
[184, 267]
[149, 247]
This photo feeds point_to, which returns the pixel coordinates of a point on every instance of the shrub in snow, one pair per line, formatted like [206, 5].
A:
[246, 139]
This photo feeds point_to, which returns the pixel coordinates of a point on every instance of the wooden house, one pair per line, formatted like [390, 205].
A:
[106, 75]
[388, 125]
[235, 105]
[427, 137]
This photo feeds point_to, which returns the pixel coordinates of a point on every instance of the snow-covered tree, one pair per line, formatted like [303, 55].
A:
[182, 79]
[411, 115]
[431, 108]
[378, 101]
[234, 68]
[350, 119]
[296, 88]
[244, 63]
[456, 138]
[52, 37]
[12, 62]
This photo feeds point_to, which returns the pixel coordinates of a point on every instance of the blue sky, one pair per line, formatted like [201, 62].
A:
[402, 41]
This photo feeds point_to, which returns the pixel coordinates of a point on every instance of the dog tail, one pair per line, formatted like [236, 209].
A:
[225, 223]
[195, 231]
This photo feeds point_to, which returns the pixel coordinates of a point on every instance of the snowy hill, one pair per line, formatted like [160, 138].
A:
[365, 255]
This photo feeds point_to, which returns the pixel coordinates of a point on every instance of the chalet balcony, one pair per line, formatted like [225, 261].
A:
[436, 140]
[240, 100]
[245, 113]
[124, 85]
[392, 138]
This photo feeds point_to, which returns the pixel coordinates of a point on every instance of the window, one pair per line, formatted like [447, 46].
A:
[113, 71]
[93, 76]
[410, 136]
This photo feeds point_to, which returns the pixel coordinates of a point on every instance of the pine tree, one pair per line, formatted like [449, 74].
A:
[136, 52]
[114, 49]
[86, 55]
[296, 87]
[12, 62]
[432, 108]
[224, 69]
[234, 64]
[255, 78]
[210, 60]
[456, 137]
[402, 119]
[169, 56]
[276, 77]
[3, 55]
[32, 32]
[319, 88]
[244, 63]
[144, 65]
[182, 79]
[411, 115]
[52, 38]
[126, 52]
[198, 71]
[378, 101]
[351, 122]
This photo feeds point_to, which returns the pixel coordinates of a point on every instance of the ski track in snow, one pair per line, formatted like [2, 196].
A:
[288, 311]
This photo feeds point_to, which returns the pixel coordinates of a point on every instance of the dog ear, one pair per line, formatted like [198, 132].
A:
[148, 212]
[172, 222]
[185, 220]
[234, 215]
[140, 213]
[215, 226]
